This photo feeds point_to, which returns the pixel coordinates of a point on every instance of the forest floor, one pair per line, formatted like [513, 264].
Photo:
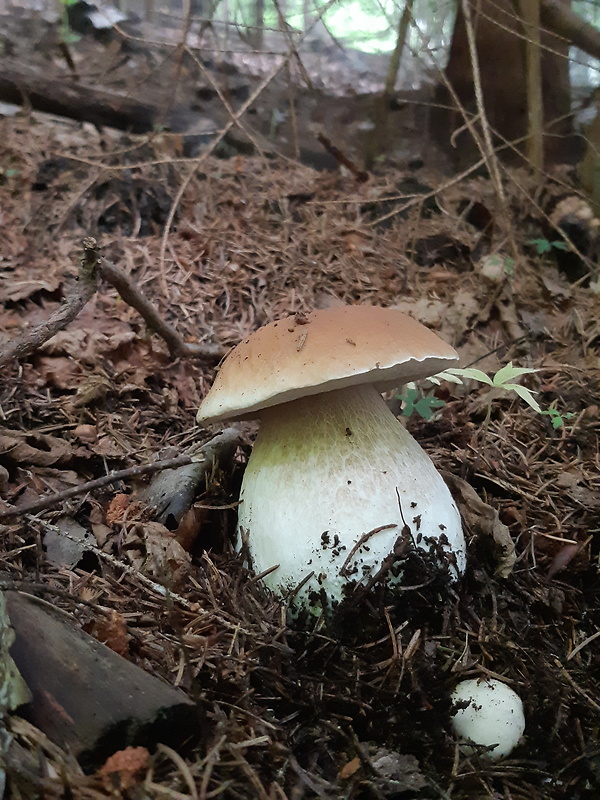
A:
[359, 708]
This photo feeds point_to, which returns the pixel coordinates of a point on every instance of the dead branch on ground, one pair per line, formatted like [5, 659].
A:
[84, 290]
[210, 452]
[91, 267]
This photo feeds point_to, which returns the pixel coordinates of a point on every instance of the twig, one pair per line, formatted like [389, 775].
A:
[208, 451]
[364, 538]
[130, 293]
[360, 175]
[91, 267]
[84, 290]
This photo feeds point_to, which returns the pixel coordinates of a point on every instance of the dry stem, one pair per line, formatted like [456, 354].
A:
[209, 451]
[92, 266]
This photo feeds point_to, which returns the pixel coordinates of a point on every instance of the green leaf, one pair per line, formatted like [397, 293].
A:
[427, 405]
[541, 245]
[556, 418]
[525, 394]
[509, 266]
[472, 374]
[445, 376]
[409, 399]
[424, 406]
[509, 372]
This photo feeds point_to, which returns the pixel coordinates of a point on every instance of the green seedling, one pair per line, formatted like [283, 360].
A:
[544, 246]
[423, 405]
[67, 35]
[504, 379]
[556, 418]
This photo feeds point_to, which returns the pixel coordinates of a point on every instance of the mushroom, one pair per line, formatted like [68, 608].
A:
[487, 713]
[335, 483]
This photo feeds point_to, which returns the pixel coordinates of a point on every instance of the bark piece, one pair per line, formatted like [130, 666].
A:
[76, 101]
[86, 698]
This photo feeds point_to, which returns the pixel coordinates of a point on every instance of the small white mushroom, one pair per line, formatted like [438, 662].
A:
[334, 476]
[487, 713]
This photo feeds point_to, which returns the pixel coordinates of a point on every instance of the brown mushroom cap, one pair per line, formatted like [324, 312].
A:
[322, 351]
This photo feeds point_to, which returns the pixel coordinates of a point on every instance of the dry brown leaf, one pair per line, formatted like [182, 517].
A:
[115, 512]
[348, 770]
[111, 631]
[483, 519]
[125, 768]
[60, 372]
[166, 560]
[22, 290]
[86, 433]
[38, 449]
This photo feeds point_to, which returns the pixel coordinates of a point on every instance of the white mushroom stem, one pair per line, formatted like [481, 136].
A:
[330, 471]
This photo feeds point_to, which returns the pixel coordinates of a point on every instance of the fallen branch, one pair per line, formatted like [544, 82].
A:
[91, 267]
[133, 297]
[210, 451]
[84, 290]
[86, 697]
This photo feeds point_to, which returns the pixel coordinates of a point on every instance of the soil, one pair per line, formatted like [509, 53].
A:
[356, 706]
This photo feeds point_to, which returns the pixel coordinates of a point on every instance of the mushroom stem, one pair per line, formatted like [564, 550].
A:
[332, 470]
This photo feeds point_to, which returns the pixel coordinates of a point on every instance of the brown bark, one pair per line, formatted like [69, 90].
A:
[530, 11]
[86, 698]
[501, 47]
[21, 84]
[558, 18]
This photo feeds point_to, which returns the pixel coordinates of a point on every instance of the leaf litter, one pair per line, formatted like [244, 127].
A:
[359, 709]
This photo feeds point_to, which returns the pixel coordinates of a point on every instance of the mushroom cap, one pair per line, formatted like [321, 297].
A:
[322, 351]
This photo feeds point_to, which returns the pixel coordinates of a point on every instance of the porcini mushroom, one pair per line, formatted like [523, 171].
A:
[334, 479]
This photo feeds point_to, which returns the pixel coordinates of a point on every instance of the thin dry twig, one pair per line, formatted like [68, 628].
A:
[91, 267]
[84, 290]
[209, 451]
[130, 293]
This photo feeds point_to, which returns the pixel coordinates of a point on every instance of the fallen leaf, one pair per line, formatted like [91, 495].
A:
[125, 768]
[166, 560]
[111, 631]
[38, 449]
[348, 770]
[61, 372]
[115, 512]
[66, 545]
[86, 433]
[483, 519]
[23, 290]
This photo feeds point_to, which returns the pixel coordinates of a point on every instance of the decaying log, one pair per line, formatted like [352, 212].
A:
[85, 697]
[20, 83]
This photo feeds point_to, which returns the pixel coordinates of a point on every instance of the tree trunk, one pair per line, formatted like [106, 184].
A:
[20, 83]
[378, 140]
[501, 47]
[558, 18]
[530, 11]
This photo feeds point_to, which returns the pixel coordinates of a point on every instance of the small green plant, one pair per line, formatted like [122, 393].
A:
[556, 418]
[424, 405]
[544, 246]
[504, 379]
[67, 35]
